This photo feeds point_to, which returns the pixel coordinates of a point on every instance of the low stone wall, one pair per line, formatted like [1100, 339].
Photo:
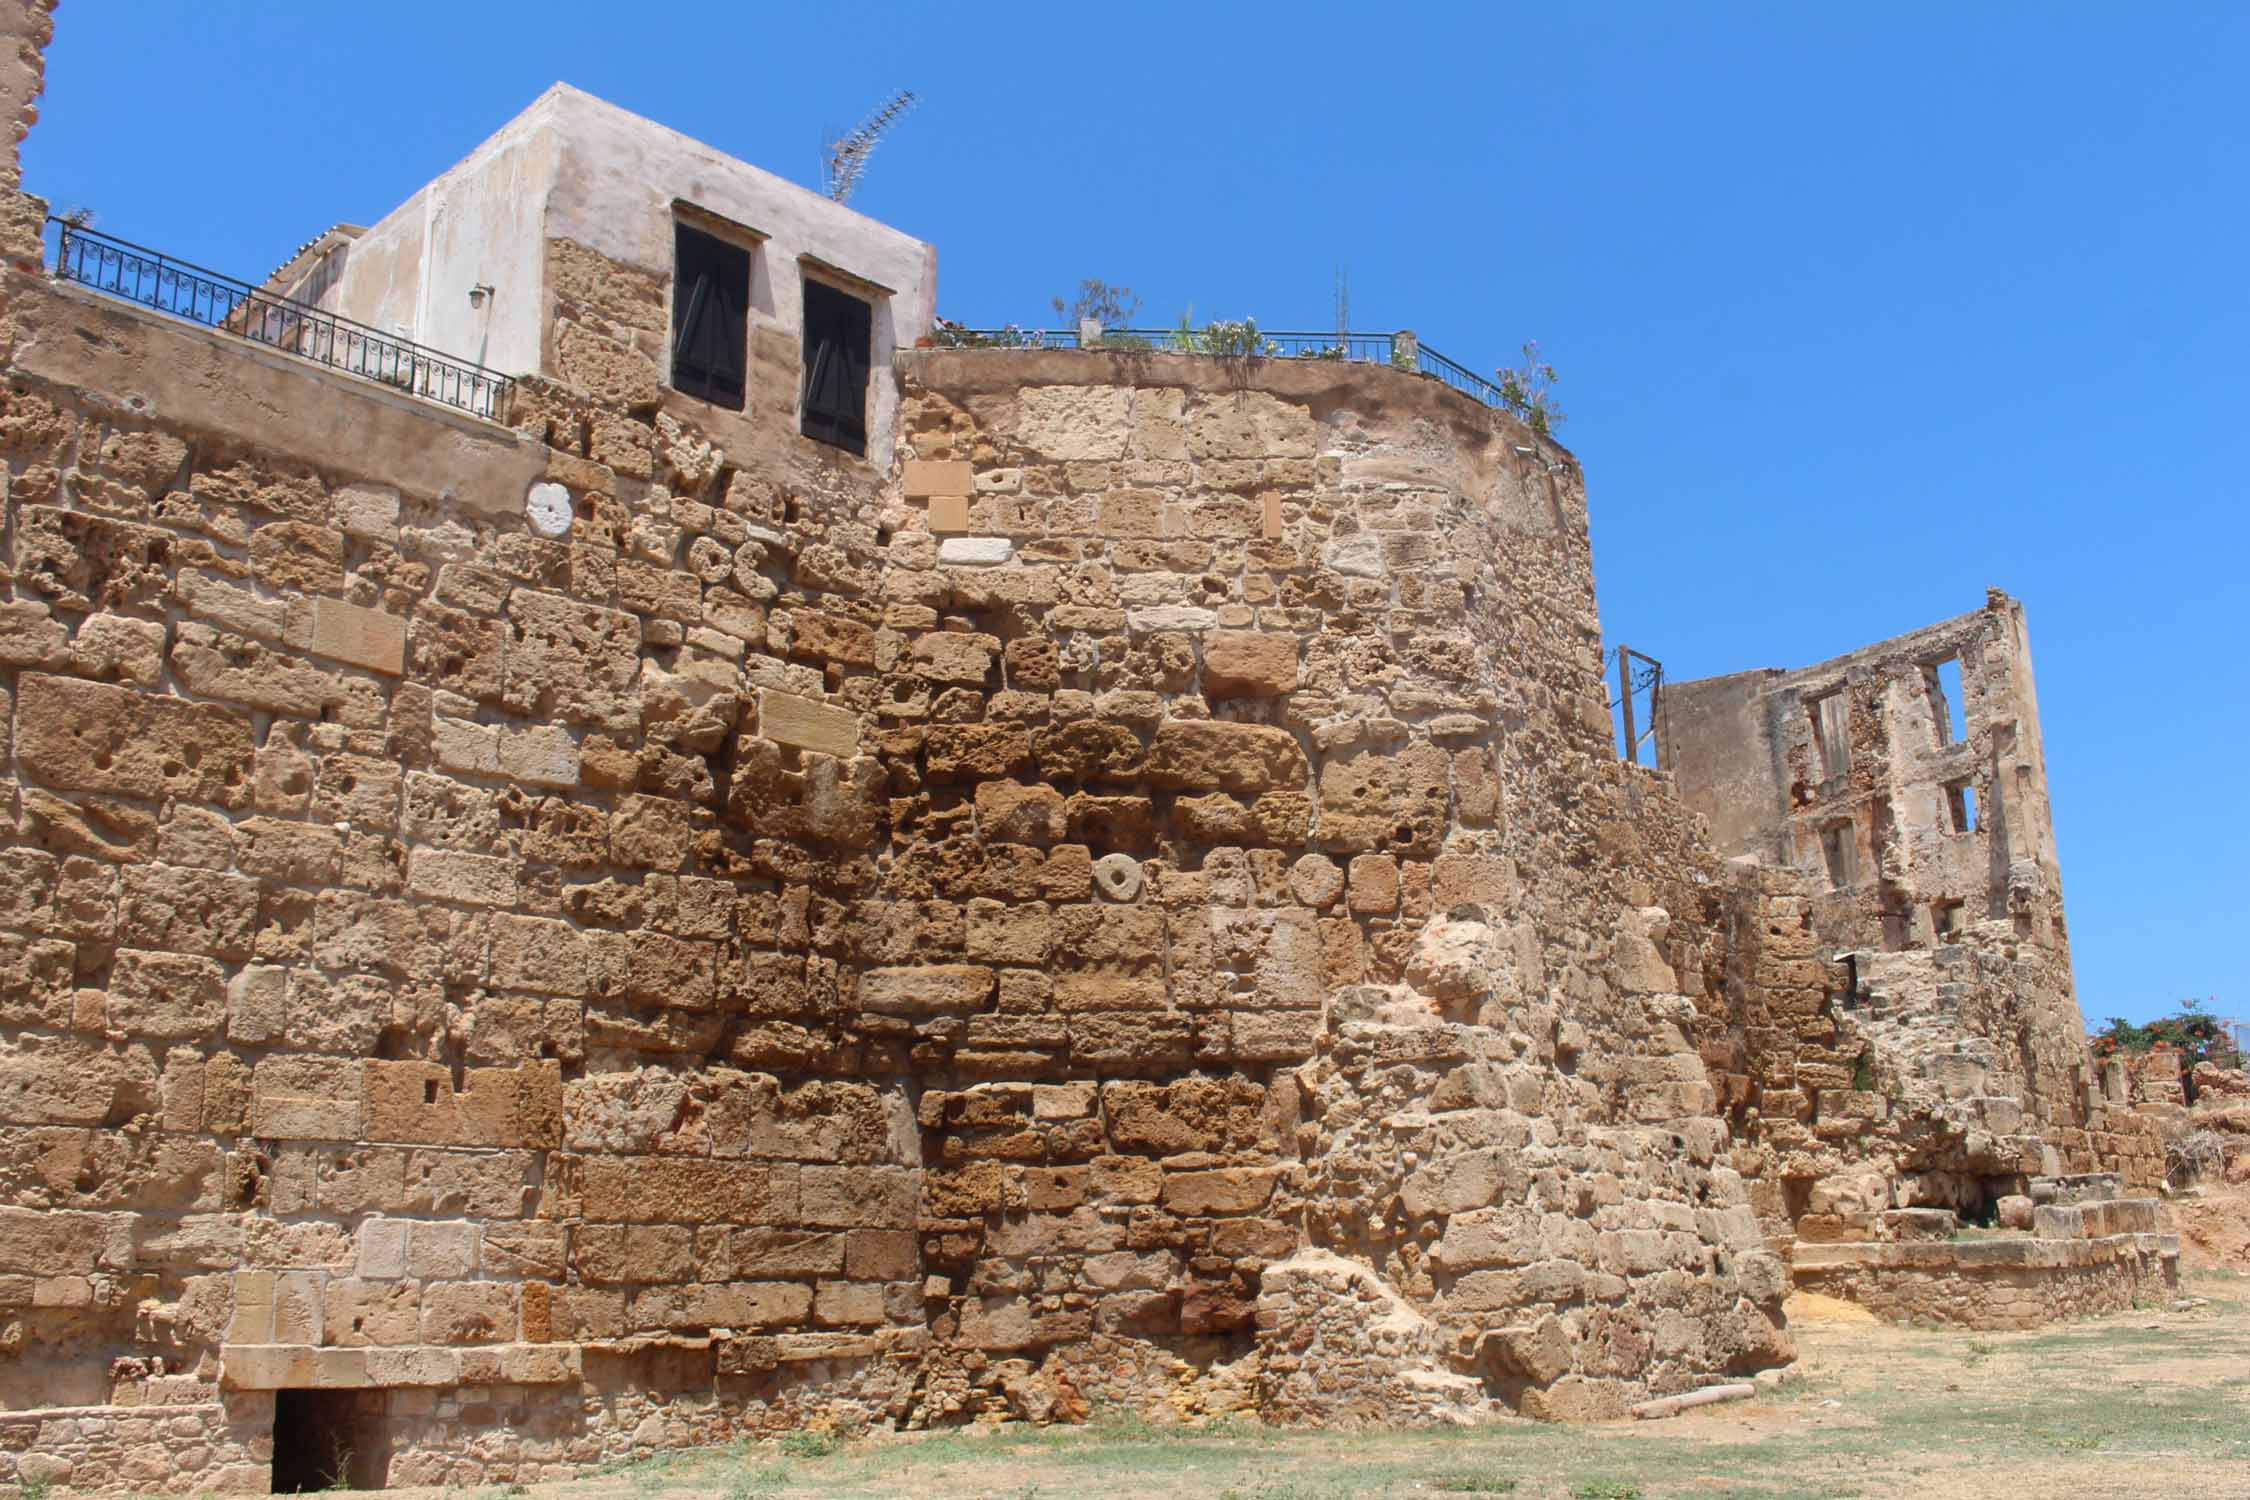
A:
[201, 1447]
[1994, 1284]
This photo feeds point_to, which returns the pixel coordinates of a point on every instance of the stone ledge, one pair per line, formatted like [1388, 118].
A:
[272, 1367]
[1974, 1255]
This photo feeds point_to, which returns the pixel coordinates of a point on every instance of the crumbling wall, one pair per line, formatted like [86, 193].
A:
[1897, 1027]
[26, 26]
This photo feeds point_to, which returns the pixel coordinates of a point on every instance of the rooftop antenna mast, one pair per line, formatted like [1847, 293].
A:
[843, 159]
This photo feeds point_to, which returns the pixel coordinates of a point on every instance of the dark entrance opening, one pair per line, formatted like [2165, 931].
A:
[316, 1443]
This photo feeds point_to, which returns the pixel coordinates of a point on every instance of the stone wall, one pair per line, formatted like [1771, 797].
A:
[819, 940]
[1996, 1284]
[1897, 1025]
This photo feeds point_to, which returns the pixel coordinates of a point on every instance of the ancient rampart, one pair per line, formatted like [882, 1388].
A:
[528, 943]
[1088, 904]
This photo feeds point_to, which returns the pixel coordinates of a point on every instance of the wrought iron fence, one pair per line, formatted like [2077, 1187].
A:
[135, 273]
[1240, 340]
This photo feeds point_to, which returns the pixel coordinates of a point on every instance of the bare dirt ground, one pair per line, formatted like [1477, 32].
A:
[2155, 1402]
[2214, 1229]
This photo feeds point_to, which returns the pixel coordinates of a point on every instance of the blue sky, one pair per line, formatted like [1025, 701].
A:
[1857, 311]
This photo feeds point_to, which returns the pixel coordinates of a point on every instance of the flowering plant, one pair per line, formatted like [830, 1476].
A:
[1528, 391]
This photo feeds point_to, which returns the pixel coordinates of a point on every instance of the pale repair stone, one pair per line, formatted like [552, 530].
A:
[927, 478]
[975, 551]
[1171, 617]
[1118, 876]
[549, 509]
[791, 720]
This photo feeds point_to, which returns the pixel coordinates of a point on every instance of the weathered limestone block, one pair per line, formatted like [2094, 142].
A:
[926, 989]
[605, 369]
[1073, 422]
[1088, 750]
[1191, 754]
[83, 736]
[571, 661]
[828, 801]
[1015, 814]
[1249, 664]
[1249, 424]
[1394, 801]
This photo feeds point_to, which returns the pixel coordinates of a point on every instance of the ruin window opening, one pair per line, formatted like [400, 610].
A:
[1831, 731]
[710, 317]
[316, 1443]
[1943, 679]
[839, 330]
[1837, 851]
[1945, 920]
[1961, 806]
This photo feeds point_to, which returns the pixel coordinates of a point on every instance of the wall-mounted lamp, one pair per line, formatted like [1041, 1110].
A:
[478, 293]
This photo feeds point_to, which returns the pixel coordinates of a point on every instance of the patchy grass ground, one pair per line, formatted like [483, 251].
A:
[2145, 1403]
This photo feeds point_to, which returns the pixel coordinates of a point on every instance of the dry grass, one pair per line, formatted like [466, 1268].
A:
[2138, 1404]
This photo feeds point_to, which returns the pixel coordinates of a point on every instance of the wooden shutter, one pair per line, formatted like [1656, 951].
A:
[710, 317]
[839, 330]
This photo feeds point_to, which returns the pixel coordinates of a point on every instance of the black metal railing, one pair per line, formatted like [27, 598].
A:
[1240, 340]
[135, 273]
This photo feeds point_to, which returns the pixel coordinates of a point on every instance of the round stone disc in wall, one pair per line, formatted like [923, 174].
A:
[1118, 876]
[548, 508]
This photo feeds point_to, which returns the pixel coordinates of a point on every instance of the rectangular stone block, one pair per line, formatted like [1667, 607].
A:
[267, 1367]
[93, 737]
[655, 1189]
[949, 514]
[926, 989]
[927, 477]
[860, 1197]
[790, 720]
[363, 637]
[252, 1322]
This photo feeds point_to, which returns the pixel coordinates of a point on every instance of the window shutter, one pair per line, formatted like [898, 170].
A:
[838, 333]
[710, 317]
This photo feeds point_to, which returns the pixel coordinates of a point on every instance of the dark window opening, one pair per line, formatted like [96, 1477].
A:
[1945, 920]
[710, 317]
[1961, 806]
[839, 330]
[1943, 679]
[317, 1446]
[1832, 738]
[1838, 853]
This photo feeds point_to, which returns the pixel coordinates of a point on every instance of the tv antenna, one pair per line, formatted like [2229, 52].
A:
[843, 159]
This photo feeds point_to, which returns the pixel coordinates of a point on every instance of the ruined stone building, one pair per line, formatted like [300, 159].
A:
[686, 865]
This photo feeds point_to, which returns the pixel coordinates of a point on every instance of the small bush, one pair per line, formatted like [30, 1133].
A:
[1605, 1489]
[812, 1442]
[1474, 1483]
[2201, 1154]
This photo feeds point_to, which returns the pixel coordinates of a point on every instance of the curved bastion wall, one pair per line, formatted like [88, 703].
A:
[1130, 901]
